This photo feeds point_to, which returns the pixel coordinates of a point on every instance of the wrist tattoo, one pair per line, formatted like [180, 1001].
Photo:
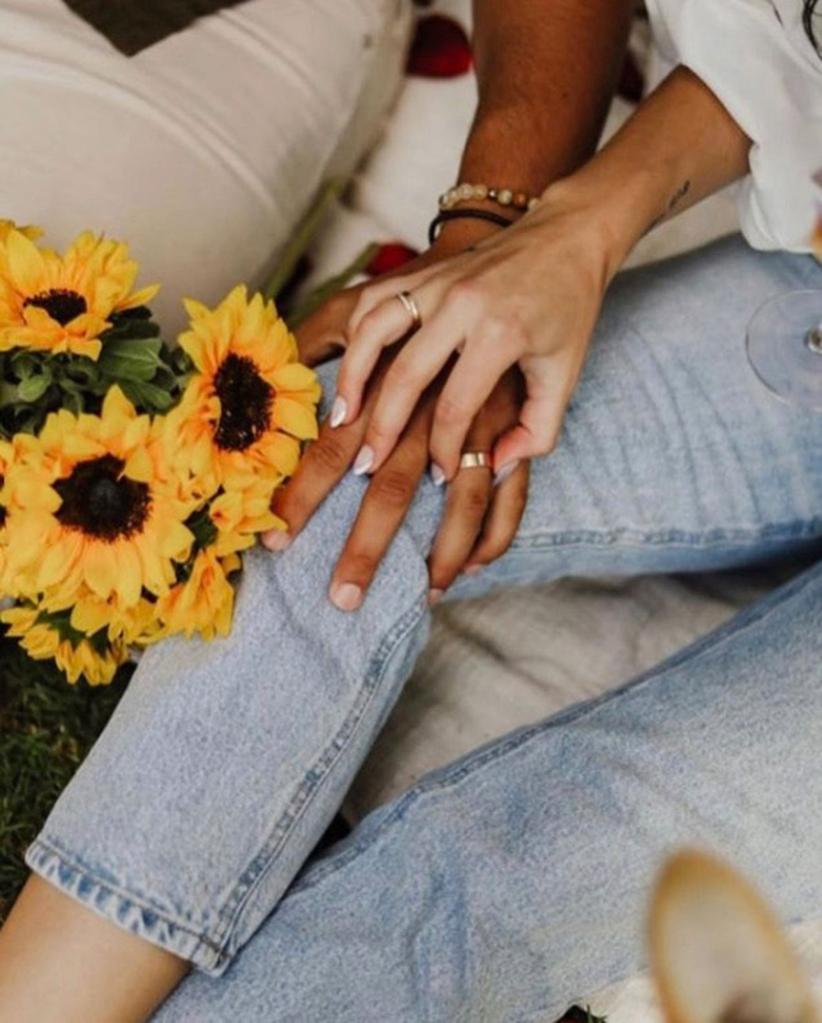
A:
[673, 202]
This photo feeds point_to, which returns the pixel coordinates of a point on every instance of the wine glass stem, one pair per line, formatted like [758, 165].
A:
[813, 339]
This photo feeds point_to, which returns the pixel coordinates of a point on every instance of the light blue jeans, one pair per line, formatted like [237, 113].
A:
[500, 887]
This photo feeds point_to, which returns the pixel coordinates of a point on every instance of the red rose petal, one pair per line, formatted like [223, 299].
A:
[390, 256]
[441, 48]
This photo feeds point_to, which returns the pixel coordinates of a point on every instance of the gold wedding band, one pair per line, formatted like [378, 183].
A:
[406, 299]
[475, 460]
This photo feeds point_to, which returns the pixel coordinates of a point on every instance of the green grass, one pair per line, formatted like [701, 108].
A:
[46, 728]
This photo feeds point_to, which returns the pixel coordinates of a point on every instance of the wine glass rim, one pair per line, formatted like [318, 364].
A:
[770, 388]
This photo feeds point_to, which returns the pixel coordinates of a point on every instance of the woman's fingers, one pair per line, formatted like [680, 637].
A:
[383, 510]
[379, 292]
[421, 359]
[503, 518]
[476, 373]
[466, 505]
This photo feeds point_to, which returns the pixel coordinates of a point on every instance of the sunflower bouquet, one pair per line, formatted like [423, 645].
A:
[132, 473]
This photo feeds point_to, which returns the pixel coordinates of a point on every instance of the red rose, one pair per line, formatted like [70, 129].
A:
[390, 256]
[441, 48]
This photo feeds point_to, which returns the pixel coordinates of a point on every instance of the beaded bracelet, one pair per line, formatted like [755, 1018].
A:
[464, 214]
[501, 196]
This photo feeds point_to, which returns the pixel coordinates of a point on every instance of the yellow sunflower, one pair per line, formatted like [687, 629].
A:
[29, 230]
[43, 639]
[97, 510]
[5, 464]
[204, 602]
[250, 404]
[63, 303]
[14, 455]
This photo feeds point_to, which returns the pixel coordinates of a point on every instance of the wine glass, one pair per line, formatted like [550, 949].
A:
[784, 340]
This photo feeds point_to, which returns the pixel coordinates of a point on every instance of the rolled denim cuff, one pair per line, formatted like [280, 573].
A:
[101, 893]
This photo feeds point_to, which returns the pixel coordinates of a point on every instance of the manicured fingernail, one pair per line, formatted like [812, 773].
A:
[505, 471]
[338, 412]
[437, 475]
[346, 596]
[364, 460]
[472, 569]
[276, 540]
[435, 596]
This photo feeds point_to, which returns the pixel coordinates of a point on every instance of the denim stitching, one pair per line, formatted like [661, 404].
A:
[450, 778]
[797, 529]
[44, 848]
[314, 776]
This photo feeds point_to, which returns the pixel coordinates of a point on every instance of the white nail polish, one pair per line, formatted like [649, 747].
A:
[505, 471]
[338, 412]
[437, 475]
[364, 460]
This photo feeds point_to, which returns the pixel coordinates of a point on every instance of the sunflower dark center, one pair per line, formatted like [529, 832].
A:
[60, 303]
[100, 502]
[245, 401]
[2, 508]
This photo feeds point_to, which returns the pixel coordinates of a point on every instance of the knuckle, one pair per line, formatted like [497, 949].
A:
[401, 377]
[474, 502]
[356, 565]
[451, 413]
[393, 487]
[466, 294]
[330, 454]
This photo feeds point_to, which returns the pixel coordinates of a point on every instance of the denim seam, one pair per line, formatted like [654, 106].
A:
[798, 528]
[233, 908]
[500, 749]
[215, 947]
[130, 897]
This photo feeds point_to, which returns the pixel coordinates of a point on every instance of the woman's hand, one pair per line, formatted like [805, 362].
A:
[481, 516]
[526, 296]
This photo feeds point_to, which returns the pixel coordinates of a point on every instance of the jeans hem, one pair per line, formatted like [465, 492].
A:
[130, 913]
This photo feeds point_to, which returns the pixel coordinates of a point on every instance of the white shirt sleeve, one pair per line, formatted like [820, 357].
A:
[756, 58]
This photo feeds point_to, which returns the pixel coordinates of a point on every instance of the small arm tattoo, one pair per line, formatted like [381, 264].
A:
[673, 202]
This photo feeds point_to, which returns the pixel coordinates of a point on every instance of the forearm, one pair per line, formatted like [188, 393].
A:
[680, 146]
[546, 73]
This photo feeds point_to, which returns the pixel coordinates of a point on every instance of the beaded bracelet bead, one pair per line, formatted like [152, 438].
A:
[501, 196]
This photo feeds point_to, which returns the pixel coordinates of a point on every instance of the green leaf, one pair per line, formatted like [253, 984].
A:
[131, 359]
[147, 396]
[33, 387]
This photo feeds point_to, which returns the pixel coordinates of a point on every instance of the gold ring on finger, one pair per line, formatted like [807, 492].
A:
[406, 299]
[475, 460]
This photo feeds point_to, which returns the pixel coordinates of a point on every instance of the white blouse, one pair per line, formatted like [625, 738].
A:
[755, 56]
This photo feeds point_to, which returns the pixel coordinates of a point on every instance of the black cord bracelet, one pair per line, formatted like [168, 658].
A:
[465, 214]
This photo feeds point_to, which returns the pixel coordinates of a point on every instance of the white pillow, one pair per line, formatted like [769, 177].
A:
[203, 150]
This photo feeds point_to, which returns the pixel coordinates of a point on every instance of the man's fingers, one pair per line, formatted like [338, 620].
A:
[323, 465]
[381, 513]
[466, 506]
[503, 518]
[474, 376]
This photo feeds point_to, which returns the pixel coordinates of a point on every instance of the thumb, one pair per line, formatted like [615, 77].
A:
[318, 349]
[540, 421]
